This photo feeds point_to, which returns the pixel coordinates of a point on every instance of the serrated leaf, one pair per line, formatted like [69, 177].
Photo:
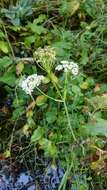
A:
[37, 134]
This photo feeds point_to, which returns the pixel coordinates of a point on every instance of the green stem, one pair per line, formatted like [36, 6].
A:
[65, 106]
[58, 91]
[57, 100]
[54, 84]
[8, 41]
[64, 179]
[32, 97]
[65, 86]
[69, 123]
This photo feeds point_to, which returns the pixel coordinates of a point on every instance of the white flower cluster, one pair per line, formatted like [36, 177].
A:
[68, 66]
[28, 84]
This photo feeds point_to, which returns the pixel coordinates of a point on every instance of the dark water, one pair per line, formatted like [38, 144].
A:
[49, 180]
[24, 181]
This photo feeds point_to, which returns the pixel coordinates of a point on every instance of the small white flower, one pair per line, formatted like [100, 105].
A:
[74, 68]
[73, 64]
[68, 66]
[65, 62]
[65, 66]
[28, 84]
[59, 68]
[74, 71]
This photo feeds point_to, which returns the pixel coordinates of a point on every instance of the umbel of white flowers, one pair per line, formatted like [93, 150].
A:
[68, 66]
[28, 84]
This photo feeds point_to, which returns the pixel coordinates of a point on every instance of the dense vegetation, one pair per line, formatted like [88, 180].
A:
[53, 90]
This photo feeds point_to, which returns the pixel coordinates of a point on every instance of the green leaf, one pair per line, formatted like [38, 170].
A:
[37, 134]
[84, 56]
[40, 100]
[49, 148]
[2, 34]
[84, 85]
[37, 21]
[29, 40]
[69, 8]
[9, 79]
[36, 26]
[5, 62]
[98, 127]
[103, 88]
[31, 122]
[18, 112]
[91, 8]
[51, 116]
[20, 100]
[40, 19]
[62, 48]
[4, 47]
[37, 29]
[76, 89]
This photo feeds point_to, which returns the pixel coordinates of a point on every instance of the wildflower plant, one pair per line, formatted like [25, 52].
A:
[46, 58]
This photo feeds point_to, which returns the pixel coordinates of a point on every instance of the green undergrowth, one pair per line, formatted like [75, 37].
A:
[64, 118]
